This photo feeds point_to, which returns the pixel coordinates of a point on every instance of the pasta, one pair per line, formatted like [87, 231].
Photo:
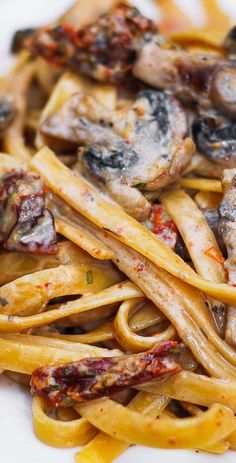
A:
[117, 229]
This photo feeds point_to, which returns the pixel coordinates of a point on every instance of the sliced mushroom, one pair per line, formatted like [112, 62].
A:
[142, 146]
[227, 225]
[230, 42]
[203, 79]
[7, 113]
[227, 228]
[19, 38]
[25, 223]
[216, 138]
[222, 91]
[123, 43]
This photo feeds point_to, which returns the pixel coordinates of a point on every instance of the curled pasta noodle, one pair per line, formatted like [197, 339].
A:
[219, 447]
[193, 299]
[146, 316]
[132, 341]
[58, 433]
[105, 448]
[130, 426]
[178, 302]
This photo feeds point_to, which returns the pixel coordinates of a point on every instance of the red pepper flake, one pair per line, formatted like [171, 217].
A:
[163, 227]
[97, 251]
[215, 254]
[139, 267]
[158, 212]
[48, 284]
[140, 111]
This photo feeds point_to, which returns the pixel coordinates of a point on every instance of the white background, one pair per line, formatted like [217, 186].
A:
[17, 441]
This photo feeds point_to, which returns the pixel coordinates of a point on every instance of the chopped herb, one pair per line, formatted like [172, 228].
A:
[54, 387]
[141, 186]
[69, 401]
[176, 349]
[3, 302]
[89, 277]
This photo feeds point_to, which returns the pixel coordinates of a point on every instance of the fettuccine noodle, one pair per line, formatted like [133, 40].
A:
[117, 229]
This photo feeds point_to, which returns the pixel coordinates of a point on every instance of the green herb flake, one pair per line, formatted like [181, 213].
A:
[3, 302]
[89, 277]
[141, 186]
[68, 401]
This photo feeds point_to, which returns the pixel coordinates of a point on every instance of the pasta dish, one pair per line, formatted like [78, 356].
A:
[118, 228]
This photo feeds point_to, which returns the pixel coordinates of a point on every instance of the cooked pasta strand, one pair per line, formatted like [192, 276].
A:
[35, 290]
[204, 184]
[189, 299]
[78, 193]
[173, 18]
[194, 300]
[199, 240]
[196, 389]
[146, 316]
[105, 448]
[130, 426]
[132, 341]
[25, 353]
[83, 239]
[121, 291]
[65, 434]
[216, 17]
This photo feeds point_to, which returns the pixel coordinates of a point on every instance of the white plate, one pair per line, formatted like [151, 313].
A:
[17, 441]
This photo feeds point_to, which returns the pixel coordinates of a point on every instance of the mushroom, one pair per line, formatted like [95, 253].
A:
[7, 113]
[25, 224]
[230, 42]
[205, 80]
[123, 43]
[215, 137]
[140, 147]
[227, 229]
